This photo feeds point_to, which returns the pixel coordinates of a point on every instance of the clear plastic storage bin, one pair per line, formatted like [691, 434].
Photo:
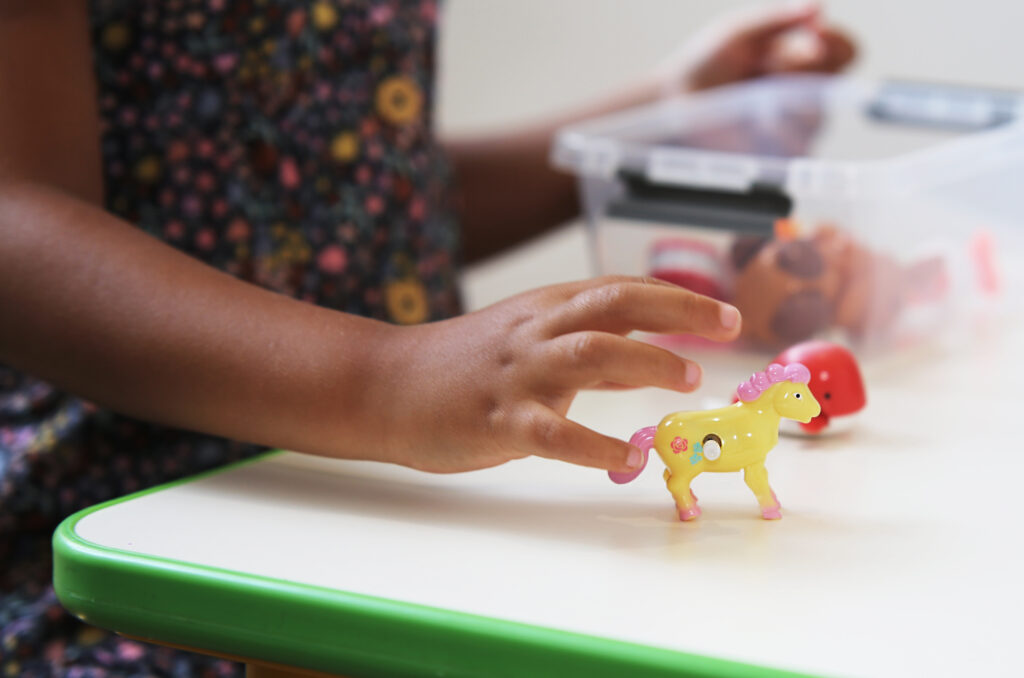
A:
[820, 206]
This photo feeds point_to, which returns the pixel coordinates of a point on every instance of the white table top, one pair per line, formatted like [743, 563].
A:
[899, 552]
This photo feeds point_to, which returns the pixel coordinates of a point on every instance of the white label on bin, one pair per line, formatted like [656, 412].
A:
[601, 159]
[706, 172]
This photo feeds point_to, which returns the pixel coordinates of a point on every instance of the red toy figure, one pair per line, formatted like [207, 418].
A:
[835, 380]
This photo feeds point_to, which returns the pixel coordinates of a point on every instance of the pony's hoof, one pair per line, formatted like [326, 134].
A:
[771, 513]
[686, 514]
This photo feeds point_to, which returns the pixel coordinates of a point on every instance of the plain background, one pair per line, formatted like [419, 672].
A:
[504, 61]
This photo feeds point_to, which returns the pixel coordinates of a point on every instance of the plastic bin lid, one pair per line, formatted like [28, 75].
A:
[822, 136]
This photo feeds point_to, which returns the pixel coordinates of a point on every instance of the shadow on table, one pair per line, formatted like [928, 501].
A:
[586, 518]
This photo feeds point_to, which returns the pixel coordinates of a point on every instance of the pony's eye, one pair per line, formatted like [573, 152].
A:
[797, 396]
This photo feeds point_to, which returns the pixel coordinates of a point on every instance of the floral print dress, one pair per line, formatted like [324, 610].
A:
[285, 142]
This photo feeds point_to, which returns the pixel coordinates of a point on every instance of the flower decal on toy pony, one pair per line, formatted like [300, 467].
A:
[734, 438]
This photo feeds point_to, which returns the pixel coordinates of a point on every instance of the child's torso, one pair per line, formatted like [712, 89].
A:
[287, 143]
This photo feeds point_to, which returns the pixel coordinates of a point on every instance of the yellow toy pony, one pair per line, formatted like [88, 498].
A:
[730, 438]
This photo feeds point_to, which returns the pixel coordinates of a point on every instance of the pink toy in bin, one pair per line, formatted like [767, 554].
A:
[689, 263]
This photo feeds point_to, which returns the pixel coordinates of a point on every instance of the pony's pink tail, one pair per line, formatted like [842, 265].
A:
[644, 439]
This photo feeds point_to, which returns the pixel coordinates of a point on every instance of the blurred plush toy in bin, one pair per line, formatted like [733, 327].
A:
[732, 438]
[789, 289]
[835, 381]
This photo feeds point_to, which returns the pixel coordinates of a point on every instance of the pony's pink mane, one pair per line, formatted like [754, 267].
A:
[752, 389]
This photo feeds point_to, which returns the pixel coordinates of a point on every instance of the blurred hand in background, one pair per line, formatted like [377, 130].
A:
[753, 43]
[767, 40]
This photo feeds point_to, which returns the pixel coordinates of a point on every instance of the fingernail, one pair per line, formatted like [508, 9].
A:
[635, 458]
[693, 374]
[729, 317]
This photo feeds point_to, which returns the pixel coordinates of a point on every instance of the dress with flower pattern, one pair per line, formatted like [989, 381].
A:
[286, 142]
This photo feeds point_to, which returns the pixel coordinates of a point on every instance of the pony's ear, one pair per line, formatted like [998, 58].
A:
[797, 373]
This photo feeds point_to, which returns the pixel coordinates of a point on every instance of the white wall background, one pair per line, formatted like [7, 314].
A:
[505, 60]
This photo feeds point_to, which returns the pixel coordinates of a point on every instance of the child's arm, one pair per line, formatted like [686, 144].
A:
[98, 307]
[104, 310]
[509, 189]
[49, 127]
[108, 312]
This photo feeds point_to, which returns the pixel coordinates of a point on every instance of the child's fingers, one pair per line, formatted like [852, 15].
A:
[826, 50]
[625, 306]
[546, 434]
[587, 359]
[840, 49]
[535, 301]
[566, 291]
[764, 24]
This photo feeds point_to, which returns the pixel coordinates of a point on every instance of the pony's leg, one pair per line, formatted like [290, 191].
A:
[686, 501]
[668, 474]
[756, 477]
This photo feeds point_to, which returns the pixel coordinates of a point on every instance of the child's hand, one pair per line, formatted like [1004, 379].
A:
[495, 385]
[768, 40]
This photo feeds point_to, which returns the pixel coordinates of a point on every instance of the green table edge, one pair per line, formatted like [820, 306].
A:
[323, 629]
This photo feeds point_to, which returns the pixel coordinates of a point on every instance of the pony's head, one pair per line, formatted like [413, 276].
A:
[795, 401]
[792, 399]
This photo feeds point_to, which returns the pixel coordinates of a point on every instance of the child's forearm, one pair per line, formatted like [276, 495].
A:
[509, 191]
[105, 311]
